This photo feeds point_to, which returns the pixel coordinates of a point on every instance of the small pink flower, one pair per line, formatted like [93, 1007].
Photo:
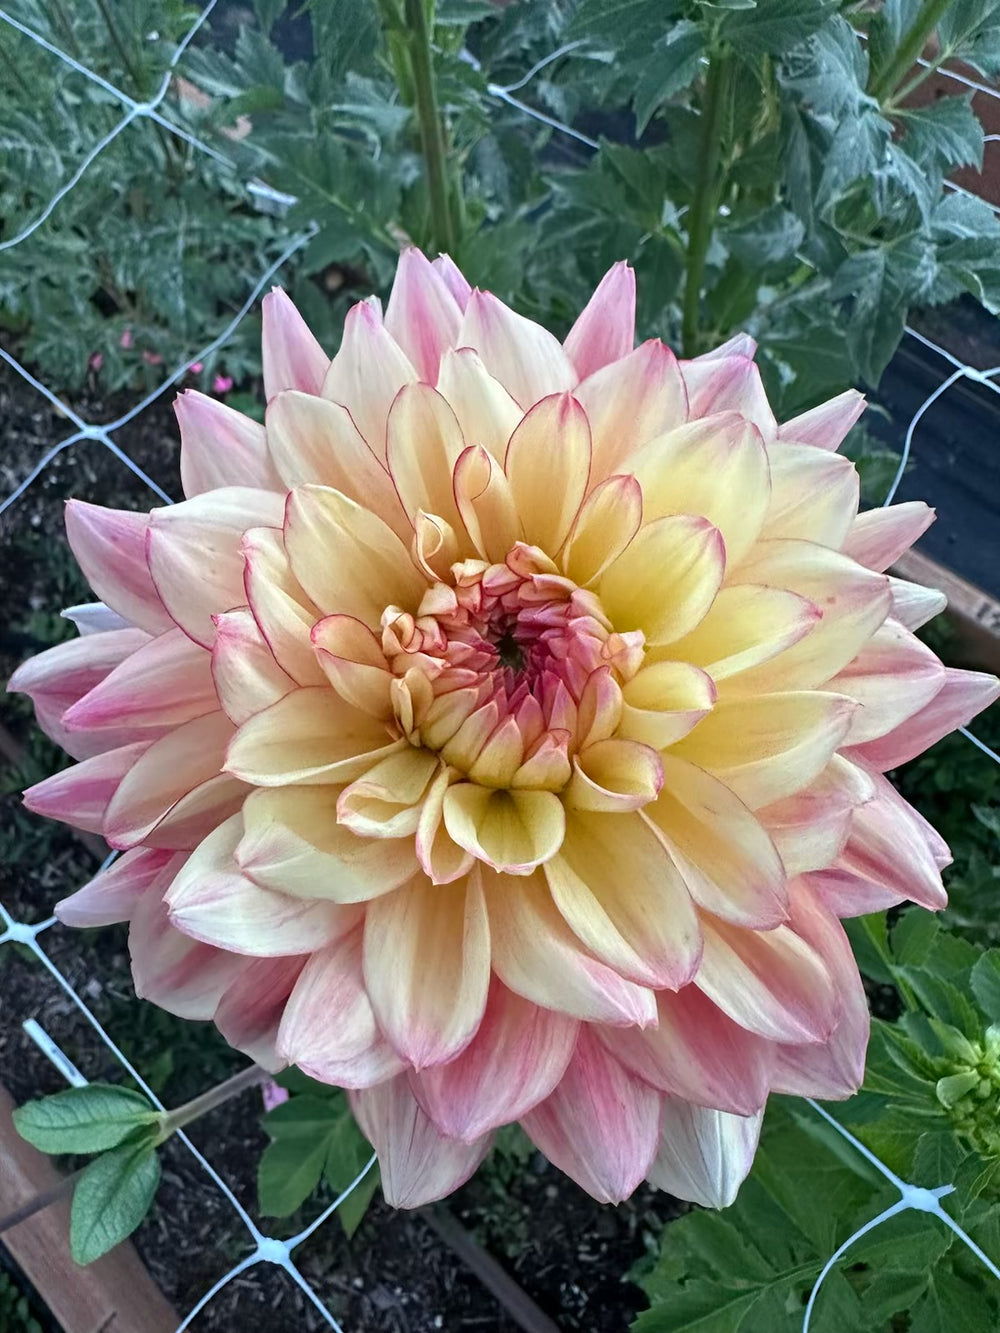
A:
[222, 384]
[195, 368]
[126, 339]
[273, 1094]
[152, 358]
[96, 360]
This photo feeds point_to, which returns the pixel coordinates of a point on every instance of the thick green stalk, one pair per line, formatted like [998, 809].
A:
[930, 15]
[171, 1121]
[705, 202]
[431, 129]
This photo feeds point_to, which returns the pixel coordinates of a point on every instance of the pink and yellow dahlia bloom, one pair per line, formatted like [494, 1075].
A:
[499, 732]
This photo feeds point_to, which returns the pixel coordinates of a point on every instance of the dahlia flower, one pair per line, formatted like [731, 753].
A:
[499, 732]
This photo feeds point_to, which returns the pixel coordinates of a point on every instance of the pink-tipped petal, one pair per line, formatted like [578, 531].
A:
[422, 315]
[893, 678]
[112, 895]
[453, 278]
[630, 402]
[601, 1125]
[328, 1029]
[94, 618]
[221, 447]
[878, 537]
[246, 676]
[526, 359]
[913, 604]
[518, 1055]
[728, 384]
[605, 329]
[417, 1163]
[80, 795]
[826, 426]
[814, 495]
[166, 682]
[368, 371]
[250, 1009]
[960, 698]
[293, 359]
[704, 1155]
[110, 548]
[194, 553]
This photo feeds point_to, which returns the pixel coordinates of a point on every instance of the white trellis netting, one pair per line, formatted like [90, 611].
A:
[268, 1249]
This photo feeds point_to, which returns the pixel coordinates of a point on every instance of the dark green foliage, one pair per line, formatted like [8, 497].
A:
[15, 1309]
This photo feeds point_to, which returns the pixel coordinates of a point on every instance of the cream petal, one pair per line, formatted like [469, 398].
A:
[601, 1125]
[769, 981]
[517, 1056]
[221, 447]
[825, 426]
[424, 444]
[537, 956]
[314, 441]
[386, 801]
[893, 677]
[194, 555]
[310, 735]
[211, 901]
[246, 676]
[615, 886]
[526, 359]
[512, 831]
[417, 1163]
[485, 410]
[689, 558]
[168, 770]
[110, 548]
[810, 828]
[350, 1051]
[704, 1155]
[614, 775]
[292, 843]
[548, 467]
[878, 537]
[427, 967]
[664, 701]
[423, 314]
[605, 329]
[630, 402]
[913, 604]
[697, 1053]
[354, 664]
[854, 602]
[347, 560]
[769, 746]
[368, 371]
[486, 504]
[726, 858]
[814, 496]
[280, 606]
[715, 467]
[293, 359]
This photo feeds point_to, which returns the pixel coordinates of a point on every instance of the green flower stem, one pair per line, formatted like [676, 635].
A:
[930, 15]
[431, 129]
[705, 203]
[171, 1121]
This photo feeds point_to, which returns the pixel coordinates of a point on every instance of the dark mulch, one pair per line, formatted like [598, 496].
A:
[568, 1252]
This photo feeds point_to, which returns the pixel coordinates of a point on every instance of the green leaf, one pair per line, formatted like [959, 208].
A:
[946, 133]
[985, 984]
[913, 935]
[951, 1305]
[289, 1171]
[775, 26]
[111, 1198]
[765, 239]
[673, 65]
[88, 1119]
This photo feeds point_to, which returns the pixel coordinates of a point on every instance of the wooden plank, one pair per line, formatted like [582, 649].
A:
[113, 1295]
[975, 614]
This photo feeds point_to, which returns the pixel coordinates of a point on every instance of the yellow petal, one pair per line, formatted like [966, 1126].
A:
[814, 495]
[354, 664]
[424, 444]
[614, 775]
[486, 412]
[368, 371]
[746, 625]
[630, 402]
[512, 831]
[548, 466]
[716, 467]
[526, 359]
[769, 746]
[385, 803]
[486, 504]
[346, 558]
[664, 701]
[608, 520]
[280, 605]
[616, 887]
[666, 579]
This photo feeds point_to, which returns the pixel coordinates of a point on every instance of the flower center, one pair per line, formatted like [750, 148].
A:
[506, 669]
